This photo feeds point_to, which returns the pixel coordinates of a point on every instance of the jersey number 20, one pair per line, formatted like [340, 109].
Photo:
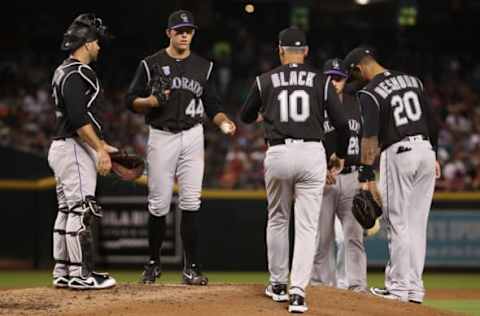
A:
[295, 106]
[406, 108]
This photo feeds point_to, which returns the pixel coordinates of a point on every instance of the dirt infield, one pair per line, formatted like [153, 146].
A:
[179, 300]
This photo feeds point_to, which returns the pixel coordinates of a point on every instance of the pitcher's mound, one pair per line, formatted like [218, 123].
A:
[178, 300]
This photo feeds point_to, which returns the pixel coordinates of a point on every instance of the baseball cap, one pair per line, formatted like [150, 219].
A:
[335, 67]
[292, 37]
[181, 18]
[356, 55]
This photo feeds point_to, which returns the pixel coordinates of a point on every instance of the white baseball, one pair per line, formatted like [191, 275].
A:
[226, 127]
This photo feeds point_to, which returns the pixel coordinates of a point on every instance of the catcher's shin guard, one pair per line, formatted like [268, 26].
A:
[79, 236]
[60, 253]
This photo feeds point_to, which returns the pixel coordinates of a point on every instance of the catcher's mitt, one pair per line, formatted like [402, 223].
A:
[365, 209]
[127, 166]
[160, 83]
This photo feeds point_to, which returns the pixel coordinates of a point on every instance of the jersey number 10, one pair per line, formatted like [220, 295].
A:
[295, 106]
[406, 108]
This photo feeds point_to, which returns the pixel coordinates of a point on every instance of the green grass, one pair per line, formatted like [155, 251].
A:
[21, 279]
[470, 307]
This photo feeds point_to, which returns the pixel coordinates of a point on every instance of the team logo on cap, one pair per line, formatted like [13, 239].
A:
[184, 17]
[335, 64]
[297, 43]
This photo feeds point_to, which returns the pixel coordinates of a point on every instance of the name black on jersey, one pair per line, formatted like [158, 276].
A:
[292, 99]
[399, 102]
[76, 91]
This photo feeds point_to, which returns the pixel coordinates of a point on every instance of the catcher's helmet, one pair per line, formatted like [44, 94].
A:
[85, 28]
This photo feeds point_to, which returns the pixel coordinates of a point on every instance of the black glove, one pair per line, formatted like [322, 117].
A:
[159, 84]
[365, 209]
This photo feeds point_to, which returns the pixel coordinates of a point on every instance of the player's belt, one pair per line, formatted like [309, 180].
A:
[173, 130]
[415, 138]
[66, 137]
[283, 141]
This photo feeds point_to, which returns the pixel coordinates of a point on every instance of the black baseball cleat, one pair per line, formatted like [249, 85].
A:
[151, 273]
[297, 304]
[61, 281]
[96, 281]
[277, 292]
[414, 301]
[193, 276]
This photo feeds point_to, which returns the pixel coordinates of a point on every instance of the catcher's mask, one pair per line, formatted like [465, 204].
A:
[85, 28]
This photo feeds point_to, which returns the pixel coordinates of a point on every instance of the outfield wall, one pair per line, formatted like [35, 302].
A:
[233, 228]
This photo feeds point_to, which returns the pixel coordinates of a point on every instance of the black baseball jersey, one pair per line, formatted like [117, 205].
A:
[193, 91]
[76, 92]
[292, 99]
[394, 106]
[351, 110]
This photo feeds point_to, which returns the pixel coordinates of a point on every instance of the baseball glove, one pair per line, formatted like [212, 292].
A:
[365, 209]
[160, 84]
[127, 166]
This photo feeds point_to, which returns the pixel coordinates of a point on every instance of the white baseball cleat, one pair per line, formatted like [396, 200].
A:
[384, 293]
[96, 281]
[61, 281]
[277, 292]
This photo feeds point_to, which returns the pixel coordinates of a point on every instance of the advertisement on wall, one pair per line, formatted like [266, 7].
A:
[453, 240]
[122, 234]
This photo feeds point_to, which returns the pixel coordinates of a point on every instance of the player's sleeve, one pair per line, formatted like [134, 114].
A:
[76, 100]
[139, 85]
[210, 98]
[337, 117]
[370, 113]
[252, 104]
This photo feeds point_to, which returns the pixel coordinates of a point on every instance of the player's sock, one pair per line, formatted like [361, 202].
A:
[189, 231]
[156, 233]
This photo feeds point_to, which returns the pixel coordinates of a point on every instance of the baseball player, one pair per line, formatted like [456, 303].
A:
[338, 198]
[176, 143]
[398, 119]
[76, 154]
[292, 99]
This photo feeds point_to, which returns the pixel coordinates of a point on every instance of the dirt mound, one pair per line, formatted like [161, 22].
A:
[217, 299]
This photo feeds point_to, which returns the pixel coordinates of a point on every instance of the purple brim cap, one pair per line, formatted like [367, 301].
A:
[193, 26]
[336, 72]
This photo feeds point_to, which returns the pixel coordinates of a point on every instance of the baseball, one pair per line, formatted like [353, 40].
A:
[226, 127]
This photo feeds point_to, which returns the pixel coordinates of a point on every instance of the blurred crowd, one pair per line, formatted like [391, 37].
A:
[28, 119]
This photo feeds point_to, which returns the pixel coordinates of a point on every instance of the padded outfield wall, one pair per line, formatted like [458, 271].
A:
[233, 228]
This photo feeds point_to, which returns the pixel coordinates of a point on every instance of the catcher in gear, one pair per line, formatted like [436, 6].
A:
[77, 153]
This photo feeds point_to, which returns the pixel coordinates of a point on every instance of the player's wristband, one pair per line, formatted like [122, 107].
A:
[365, 173]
